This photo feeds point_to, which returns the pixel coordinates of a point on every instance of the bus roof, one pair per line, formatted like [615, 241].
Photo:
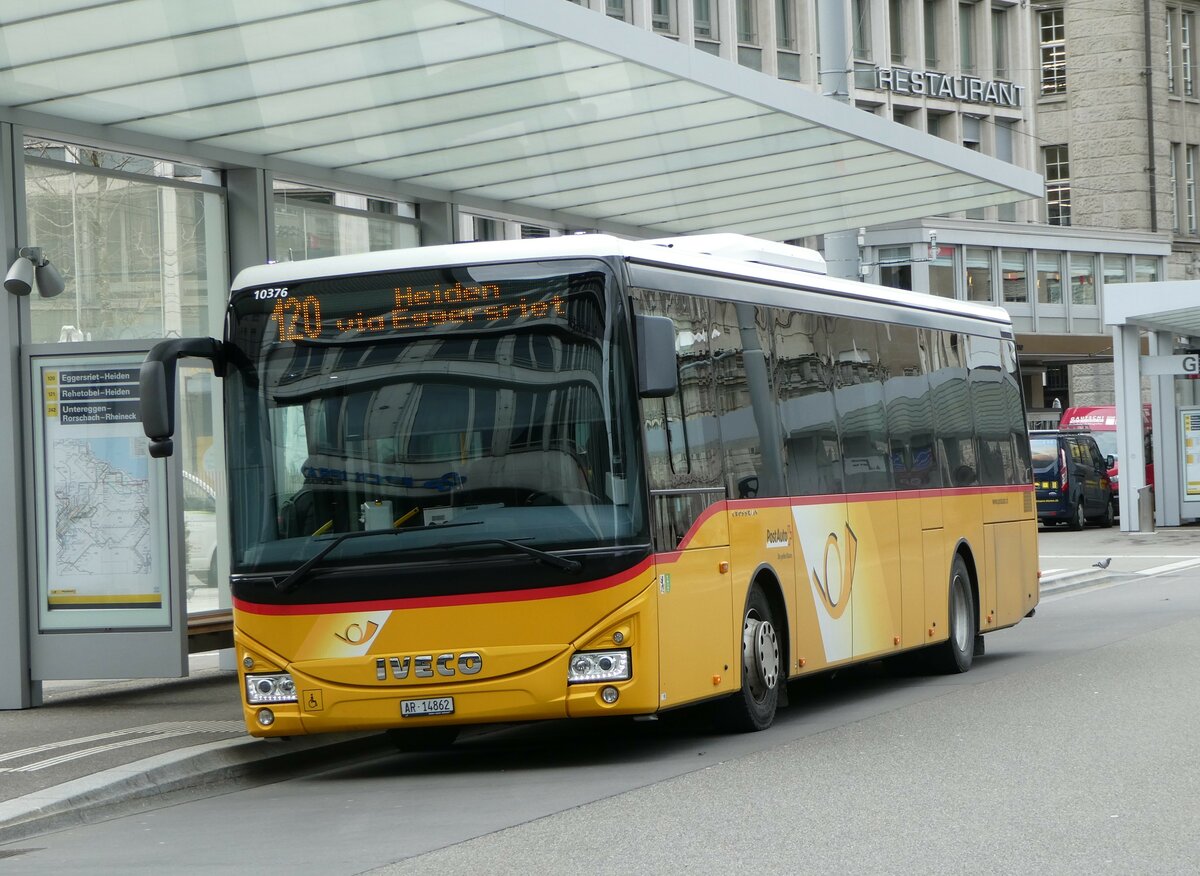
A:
[729, 255]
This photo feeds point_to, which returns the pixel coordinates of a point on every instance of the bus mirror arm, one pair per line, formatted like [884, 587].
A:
[157, 386]
[658, 374]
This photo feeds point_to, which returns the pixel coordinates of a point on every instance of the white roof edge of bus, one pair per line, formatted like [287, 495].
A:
[729, 254]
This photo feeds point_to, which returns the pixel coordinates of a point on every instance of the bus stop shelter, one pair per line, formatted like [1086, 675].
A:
[1156, 333]
[538, 109]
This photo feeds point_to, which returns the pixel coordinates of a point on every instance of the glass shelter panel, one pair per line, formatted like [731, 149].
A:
[142, 255]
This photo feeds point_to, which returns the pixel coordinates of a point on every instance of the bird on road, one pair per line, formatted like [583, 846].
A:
[1103, 564]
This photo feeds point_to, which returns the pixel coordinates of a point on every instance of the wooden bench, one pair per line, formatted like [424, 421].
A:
[210, 630]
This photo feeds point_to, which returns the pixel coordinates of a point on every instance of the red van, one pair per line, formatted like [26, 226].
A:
[1101, 421]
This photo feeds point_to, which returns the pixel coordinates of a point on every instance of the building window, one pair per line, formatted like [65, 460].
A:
[1083, 278]
[978, 261]
[704, 24]
[1052, 33]
[966, 37]
[785, 25]
[1000, 43]
[1145, 269]
[941, 273]
[930, 23]
[1176, 201]
[1189, 188]
[1058, 186]
[662, 16]
[1049, 278]
[1014, 276]
[1171, 12]
[895, 267]
[747, 21]
[1187, 30]
[616, 9]
[897, 18]
[1116, 269]
[861, 27]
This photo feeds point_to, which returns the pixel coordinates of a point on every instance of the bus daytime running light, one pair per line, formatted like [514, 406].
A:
[593, 666]
[277, 688]
[266, 717]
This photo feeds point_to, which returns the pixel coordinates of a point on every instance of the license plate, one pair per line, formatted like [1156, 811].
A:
[431, 706]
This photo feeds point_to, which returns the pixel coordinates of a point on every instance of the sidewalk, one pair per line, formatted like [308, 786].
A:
[1068, 559]
[94, 743]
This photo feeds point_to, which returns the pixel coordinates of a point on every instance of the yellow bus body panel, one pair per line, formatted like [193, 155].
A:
[859, 577]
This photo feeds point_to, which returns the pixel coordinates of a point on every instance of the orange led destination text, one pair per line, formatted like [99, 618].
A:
[300, 318]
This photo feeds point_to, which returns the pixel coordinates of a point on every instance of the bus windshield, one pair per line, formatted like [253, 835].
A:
[500, 395]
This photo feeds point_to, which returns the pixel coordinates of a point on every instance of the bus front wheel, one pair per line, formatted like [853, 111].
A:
[753, 707]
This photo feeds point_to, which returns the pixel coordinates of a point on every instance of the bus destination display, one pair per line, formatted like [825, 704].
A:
[299, 317]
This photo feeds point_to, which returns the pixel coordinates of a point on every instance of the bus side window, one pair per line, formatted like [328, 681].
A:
[909, 409]
[683, 444]
[804, 389]
[750, 431]
[952, 401]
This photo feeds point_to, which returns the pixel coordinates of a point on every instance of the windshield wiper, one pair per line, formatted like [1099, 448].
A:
[292, 581]
[567, 565]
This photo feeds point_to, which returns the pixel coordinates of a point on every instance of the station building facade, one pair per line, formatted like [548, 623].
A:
[1102, 98]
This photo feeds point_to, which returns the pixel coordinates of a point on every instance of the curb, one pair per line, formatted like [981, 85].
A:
[82, 801]
[1077, 580]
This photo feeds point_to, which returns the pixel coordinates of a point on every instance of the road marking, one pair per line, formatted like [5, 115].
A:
[1121, 556]
[1171, 567]
[148, 733]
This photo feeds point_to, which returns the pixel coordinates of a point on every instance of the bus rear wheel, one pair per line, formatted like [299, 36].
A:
[958, 652]
[753, 706]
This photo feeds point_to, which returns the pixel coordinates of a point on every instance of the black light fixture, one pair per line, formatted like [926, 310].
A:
[32, 265]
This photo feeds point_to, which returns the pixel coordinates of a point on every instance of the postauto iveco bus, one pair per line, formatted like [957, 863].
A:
[582, 476]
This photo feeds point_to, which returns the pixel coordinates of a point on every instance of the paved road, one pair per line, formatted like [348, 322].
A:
[1069, 748]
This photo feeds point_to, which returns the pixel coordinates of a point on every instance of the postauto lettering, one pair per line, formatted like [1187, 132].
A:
[451, 480]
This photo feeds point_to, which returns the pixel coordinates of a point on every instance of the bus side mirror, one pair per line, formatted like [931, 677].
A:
[658, 375]
[1109, 461]
[156, 386]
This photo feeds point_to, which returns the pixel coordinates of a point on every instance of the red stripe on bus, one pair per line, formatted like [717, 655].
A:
[450, 599]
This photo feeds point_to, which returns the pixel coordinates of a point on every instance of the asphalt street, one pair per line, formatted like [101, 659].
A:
[96, 746]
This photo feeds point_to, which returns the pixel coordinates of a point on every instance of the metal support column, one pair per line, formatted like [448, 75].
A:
[1164, 434]
[1127, 385]
[17, 689]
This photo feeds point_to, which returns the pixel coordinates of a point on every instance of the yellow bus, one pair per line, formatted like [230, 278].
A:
[583, 476]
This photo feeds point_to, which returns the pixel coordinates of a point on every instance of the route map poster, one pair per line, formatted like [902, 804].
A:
[1189, 441]
[102, 527]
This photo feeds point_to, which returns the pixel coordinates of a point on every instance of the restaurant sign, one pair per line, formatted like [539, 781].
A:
[929, 83]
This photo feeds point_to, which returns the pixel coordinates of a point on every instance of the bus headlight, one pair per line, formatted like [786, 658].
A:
[275, 688]
[593, 666]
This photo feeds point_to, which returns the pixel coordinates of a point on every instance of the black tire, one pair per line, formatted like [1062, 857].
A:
[956, 654]
[1105, 520]
[753, 706]
[423, 738]
[1077, 519]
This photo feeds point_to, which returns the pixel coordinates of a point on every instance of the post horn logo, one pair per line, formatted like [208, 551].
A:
[356, 635]
[837, 607]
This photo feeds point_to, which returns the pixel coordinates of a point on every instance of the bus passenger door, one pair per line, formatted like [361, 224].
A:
[695, 644]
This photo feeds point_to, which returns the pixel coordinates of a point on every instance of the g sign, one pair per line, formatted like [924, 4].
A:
[1188, 363]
